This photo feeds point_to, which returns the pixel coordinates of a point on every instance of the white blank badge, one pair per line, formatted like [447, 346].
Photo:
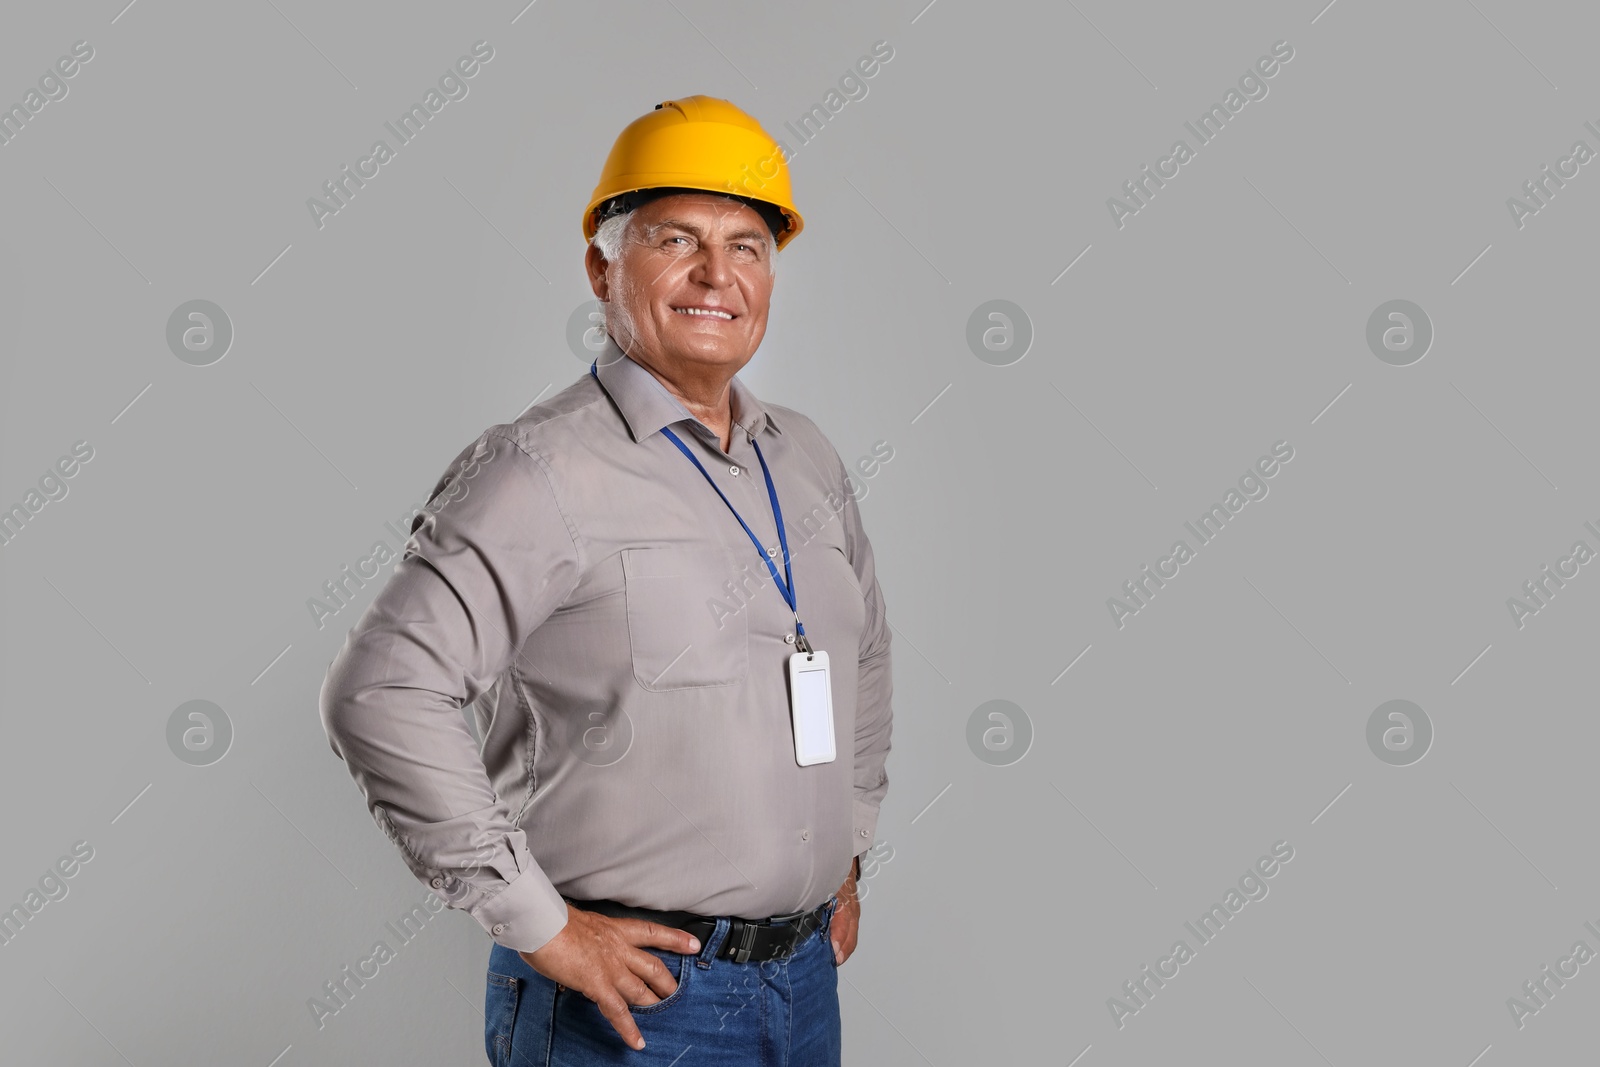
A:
[811, 708]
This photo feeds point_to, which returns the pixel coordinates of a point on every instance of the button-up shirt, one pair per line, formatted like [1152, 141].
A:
[625, 651]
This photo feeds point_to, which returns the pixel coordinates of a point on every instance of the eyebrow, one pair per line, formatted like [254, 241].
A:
[745, 233]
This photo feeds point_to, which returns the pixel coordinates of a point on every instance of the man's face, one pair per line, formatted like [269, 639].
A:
[684, 252]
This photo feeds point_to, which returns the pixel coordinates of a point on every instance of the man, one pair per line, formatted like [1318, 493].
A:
[670, 788]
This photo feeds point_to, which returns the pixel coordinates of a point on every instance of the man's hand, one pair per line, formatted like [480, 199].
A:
[597, 956]
[846, 918]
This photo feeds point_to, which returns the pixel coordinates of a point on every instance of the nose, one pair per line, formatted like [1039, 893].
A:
[713, 267]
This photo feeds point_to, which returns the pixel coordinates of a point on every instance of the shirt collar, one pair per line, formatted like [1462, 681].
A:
[646, 404]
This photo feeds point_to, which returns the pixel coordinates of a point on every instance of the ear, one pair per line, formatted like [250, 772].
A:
[595, 265]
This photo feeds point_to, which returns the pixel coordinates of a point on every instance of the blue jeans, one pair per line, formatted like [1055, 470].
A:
[776, 1013]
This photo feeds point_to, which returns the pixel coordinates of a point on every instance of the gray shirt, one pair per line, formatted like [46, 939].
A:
[625, 649]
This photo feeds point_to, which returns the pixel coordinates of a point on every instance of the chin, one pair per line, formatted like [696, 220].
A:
[732, 360]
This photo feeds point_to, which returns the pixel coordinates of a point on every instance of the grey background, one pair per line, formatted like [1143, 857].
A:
[1227, 315]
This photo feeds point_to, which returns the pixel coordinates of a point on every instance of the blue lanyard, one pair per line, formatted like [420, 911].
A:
[786, 583]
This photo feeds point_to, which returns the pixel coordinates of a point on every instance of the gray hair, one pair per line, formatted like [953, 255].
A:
[608, 238]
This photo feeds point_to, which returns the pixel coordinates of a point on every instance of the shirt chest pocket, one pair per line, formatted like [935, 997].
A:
[678, 640]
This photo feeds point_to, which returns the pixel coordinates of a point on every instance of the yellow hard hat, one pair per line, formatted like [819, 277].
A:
[696, 144]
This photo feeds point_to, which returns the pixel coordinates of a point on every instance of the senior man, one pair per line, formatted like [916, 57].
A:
[656, 592]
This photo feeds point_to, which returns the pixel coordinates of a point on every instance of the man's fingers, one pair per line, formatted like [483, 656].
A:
[615, 1009]
[667, 937]
[636, 992]
[656, 976]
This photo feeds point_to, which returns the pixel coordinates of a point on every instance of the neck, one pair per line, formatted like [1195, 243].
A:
[717, 418]
[708, 397]
[711, 405]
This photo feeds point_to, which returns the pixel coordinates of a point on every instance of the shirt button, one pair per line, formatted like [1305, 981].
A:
[437, 883]
[734, 470]
[805, 835]
[499, 928]
[788, 639]
[863, 833]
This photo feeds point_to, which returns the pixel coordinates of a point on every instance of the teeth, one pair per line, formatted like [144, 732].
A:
[702, 311]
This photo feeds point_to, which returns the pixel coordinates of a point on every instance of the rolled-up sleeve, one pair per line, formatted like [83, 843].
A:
[491, 557]
[875, 686]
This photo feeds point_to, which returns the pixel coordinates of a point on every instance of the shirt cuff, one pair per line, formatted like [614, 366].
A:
[526, 914]
[865, 825]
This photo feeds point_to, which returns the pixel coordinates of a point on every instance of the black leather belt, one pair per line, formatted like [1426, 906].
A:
[748, 939]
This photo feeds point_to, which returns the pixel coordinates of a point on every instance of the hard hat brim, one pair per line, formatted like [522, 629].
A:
[783, 225]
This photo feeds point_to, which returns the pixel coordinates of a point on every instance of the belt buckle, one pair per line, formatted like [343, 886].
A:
[747, 941]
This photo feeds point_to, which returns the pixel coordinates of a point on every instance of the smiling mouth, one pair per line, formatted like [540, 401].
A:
[705, 313]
